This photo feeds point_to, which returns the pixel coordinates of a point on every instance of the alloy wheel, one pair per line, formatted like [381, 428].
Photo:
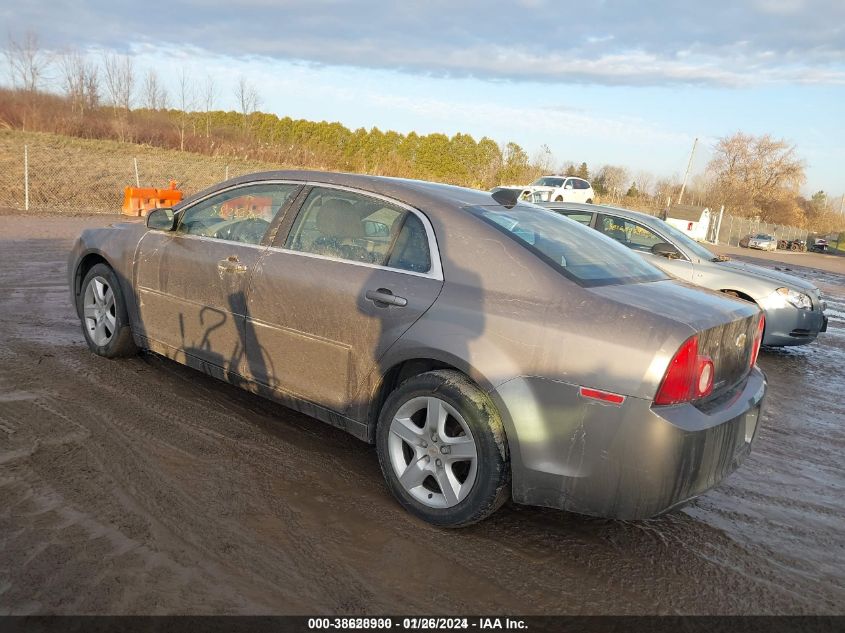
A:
[99, 311]
[433, 452]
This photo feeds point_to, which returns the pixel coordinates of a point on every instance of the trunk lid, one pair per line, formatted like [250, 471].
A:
[725, 326]
[729, 346]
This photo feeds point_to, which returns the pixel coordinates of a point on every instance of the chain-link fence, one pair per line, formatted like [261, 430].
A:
[49, 173]
[733, 229]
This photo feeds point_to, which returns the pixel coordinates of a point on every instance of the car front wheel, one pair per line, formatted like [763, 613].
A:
[105, 323]
[442, 449]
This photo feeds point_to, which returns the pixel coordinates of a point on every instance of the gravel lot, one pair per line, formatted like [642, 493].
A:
[140, 486]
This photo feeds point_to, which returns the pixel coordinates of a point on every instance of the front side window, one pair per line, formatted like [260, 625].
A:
[576, 251]
[355, 227]
[241, 215]
[634, 236]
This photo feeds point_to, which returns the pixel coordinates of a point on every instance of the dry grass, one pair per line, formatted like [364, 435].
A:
[80, 175]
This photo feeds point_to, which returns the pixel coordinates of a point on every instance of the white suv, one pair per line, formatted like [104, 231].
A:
[561, 189]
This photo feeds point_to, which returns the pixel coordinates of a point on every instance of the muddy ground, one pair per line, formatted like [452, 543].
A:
[140, 486]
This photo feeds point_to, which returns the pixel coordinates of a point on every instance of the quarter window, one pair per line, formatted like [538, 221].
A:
[355, 227]
[634, 236]
[239, 215]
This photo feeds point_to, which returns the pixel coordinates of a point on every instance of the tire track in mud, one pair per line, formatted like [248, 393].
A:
[141, 486]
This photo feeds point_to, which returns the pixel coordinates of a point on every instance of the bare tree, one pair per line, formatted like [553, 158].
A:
[208, 97]
[80, 81]
[27, 62]
[247, 99]
[757, 173]
[186, 98]
[543, 160]
[612, 180]
[645, 182]
[119, 76]
[154, 96]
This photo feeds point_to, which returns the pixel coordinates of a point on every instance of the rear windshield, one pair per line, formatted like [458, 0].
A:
[548, 181]
[578, 252]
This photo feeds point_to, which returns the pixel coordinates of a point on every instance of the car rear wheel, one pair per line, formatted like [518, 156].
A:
[559, 199]
[442, 449]
[589, 201]
[105, 323]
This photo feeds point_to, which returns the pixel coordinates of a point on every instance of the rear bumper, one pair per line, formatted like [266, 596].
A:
[628, 462]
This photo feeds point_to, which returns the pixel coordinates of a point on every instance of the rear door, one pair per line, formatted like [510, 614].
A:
[640, 238]
[353, 272]
[192, 281]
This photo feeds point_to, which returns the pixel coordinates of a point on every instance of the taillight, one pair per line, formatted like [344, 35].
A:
[758, 339]
[689, 376]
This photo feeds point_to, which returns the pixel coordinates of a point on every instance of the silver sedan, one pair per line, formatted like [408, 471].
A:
[793, 307]
[763, 242]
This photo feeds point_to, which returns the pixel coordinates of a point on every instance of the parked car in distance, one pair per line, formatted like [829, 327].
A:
[561, 189]
[763, 242]
[793, 307]
[819, 245]
[488, 348]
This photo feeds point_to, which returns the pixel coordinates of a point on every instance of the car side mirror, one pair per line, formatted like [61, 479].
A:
[664, 249]
[161, 219]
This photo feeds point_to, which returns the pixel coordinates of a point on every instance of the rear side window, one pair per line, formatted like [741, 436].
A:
[578, 216]
[410, 251]
[354, 227]
[577, 252]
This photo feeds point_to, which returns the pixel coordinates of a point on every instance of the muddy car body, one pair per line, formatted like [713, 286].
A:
[793, 306]
[486, 350]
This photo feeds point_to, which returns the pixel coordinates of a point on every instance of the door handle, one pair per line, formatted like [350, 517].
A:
[385, 297]
[231, 265]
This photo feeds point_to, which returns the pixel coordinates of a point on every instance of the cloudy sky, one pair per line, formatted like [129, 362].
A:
[626, 82]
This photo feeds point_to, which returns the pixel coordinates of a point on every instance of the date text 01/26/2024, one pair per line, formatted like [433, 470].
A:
[417, 623]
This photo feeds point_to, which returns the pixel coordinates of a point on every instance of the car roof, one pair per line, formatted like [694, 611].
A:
[416, 193]
[598, 208]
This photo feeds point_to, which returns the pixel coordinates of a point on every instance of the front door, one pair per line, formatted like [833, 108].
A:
[330, 297]
[192, 281]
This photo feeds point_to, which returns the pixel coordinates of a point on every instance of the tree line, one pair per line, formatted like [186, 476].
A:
[108, 98]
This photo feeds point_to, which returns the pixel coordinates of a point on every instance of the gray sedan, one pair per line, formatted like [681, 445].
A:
[794, 310]
[487, 348]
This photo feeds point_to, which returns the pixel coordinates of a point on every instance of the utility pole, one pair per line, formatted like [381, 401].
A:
[686, 174]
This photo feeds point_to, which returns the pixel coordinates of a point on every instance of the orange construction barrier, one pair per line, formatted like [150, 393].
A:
[139, 200]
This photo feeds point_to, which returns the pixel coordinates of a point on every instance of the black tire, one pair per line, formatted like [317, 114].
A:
[121, 344]
[589, 201]
[559, 199]
[492, 482]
